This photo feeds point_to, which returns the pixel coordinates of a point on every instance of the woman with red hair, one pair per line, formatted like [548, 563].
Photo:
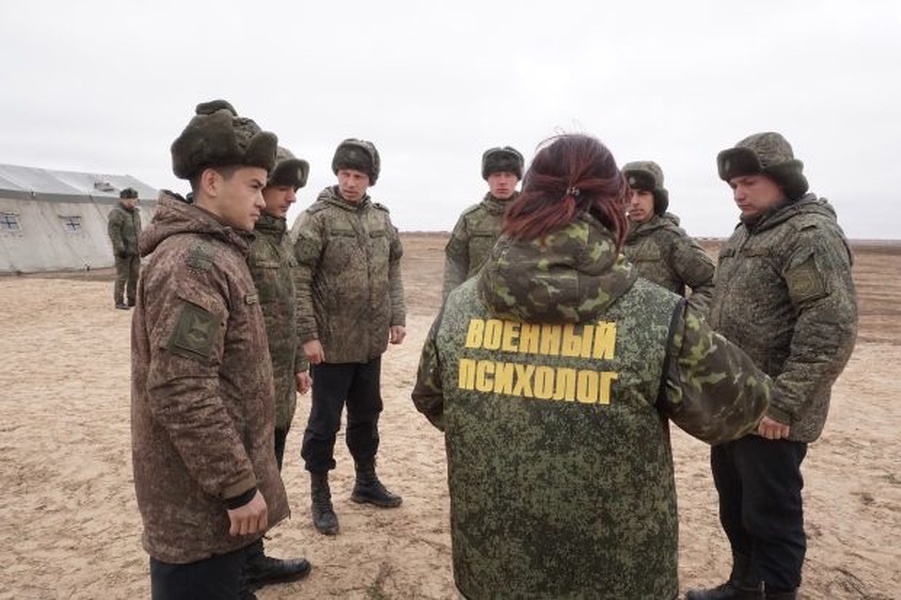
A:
[554, 374]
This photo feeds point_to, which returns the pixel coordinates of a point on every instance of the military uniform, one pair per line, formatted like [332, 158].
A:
[349, 294]
[664, 254]
[124, 229]
[784, 294]
[553, 374]
[473, 236]
[272, 264]
[202, 411]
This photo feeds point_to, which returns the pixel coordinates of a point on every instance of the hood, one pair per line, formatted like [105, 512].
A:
[496, 206]
[174, 217]
[808, 204]
[269, 224]
[570, 276]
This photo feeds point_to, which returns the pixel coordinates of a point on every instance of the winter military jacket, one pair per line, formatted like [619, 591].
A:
[553, 373]
[474, 235]
[349, 288]
[784, 294]
[663, 253]
[203, 409]
[124, 229]
[272, 265]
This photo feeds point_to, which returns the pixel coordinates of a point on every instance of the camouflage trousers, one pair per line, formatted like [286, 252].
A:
[127, 272]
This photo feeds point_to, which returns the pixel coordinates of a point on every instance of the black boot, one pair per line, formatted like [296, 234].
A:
[324, 518]
[368, 488]
[260, 570]
[739, 587]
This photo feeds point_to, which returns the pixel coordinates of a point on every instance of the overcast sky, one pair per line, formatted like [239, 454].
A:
[105, 86]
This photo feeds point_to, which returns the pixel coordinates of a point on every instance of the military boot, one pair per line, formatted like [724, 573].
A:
[260, 570]
[368, 488]
[739, 587]
[324, 518]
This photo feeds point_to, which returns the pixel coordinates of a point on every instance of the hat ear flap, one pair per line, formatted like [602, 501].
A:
[790, 177]
[661, 201]
[303, 171]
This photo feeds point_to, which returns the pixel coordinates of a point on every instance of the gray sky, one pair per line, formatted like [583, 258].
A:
[105, 86]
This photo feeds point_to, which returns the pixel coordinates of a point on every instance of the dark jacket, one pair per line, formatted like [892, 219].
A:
[124, 228]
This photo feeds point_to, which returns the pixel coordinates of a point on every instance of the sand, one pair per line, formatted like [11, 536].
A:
[69, 525]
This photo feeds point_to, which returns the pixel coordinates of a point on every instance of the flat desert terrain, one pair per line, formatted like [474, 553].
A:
[70, 528]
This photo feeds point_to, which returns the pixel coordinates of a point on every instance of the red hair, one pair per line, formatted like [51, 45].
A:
[570, 175]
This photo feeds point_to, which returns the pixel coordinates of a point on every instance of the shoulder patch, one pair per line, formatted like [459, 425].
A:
[200, 257]
[805, 282]
[195, 332]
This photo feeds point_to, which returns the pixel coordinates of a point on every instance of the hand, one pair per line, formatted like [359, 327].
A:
[396, 334]
[251, 518]
[314, 352]
[304, 381]
[772, 429]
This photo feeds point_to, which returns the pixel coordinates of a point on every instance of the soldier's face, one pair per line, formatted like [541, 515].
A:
[237, 200]
[641, 206]
[755, 194]
[352, 184]
[501, 185]
[279, 199]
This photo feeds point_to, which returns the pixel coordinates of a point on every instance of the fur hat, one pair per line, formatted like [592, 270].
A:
[358, 155]
[218, 137]
[288, 170]
[765, 153]
[129, 193]
[501, 160]
[648, 176]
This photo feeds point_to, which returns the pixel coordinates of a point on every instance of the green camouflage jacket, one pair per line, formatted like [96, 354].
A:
[553, 374]
[202, 402]
[664, 254]
[124, 228]
[272, 264]
[473, 236]
[784, 294]
[349, 288]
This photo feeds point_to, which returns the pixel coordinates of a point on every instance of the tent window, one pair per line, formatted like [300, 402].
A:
[71, 224]
[9, 222]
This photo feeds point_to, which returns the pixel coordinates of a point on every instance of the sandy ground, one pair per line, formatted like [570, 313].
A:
[69, 526]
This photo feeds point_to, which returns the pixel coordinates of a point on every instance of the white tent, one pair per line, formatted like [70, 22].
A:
[56, 220]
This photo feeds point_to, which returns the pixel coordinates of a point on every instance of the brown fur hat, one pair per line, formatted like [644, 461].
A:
[358, 155]
[288, 170]
[766, 153]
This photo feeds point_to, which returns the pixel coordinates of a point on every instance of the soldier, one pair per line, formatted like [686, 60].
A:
[552, 374]
[784, 294]
[480, 225]
[350, 306]
[203, 407]
[661, 250]
[272, 264]
[124, 229]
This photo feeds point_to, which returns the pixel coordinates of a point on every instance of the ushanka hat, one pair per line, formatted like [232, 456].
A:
[768, 154]
[502, 160]
[218, 137]
[358, 155]
[288, 170]
[648, 176]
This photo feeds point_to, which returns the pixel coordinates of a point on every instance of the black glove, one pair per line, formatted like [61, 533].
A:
[123, 254]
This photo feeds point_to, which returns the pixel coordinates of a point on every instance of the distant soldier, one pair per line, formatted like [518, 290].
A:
[479, 226]
[124, 229]
[554, 373]
[272, 265]
[350, 306]
[661, 250]
[202, 402]
[785, 295]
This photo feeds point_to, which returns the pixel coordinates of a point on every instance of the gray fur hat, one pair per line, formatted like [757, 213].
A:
[648, 176]
[358, 155]
[218, 137]
[769, 154]
[502, 159]
[288, 170]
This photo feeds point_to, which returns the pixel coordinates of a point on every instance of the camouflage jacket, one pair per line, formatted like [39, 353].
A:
[124, 228]
[473, 236]
[784, 294]
[272, 264]
[553, 373]
[202, 403]
[664, 254]
[349, 288]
